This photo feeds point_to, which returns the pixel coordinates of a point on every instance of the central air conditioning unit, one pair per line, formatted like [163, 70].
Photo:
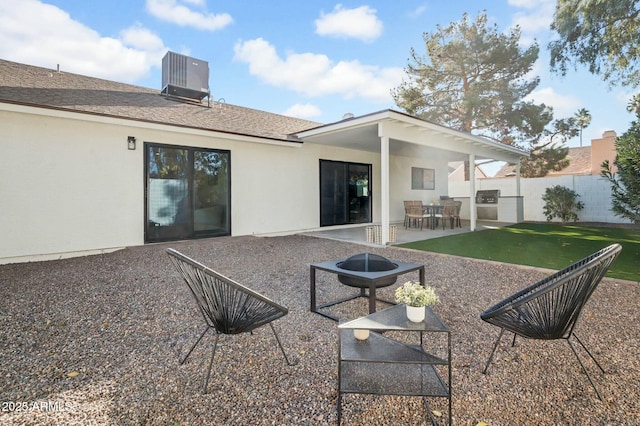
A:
[185, 77]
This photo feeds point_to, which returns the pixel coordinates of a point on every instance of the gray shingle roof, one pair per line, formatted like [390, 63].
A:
[42, 87]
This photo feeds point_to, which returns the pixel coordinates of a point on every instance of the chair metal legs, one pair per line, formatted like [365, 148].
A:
[582, 365]
[495, 346]
[194, 345]
[493, 351]
[280, 345]
[215, 346]
[213, 354]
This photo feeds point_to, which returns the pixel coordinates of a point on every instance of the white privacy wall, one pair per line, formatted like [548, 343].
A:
[593, 191]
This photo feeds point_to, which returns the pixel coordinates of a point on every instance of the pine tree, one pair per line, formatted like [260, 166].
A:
[601, 35]
[474, 78]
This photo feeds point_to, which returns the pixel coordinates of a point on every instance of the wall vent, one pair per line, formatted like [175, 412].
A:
[185, 77]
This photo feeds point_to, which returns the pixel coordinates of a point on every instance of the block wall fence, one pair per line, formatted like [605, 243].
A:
[593, 190]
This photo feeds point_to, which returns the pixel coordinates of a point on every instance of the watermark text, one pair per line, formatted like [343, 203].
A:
[31, 406]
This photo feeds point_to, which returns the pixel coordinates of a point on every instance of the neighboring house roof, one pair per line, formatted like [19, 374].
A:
[579, 164]
[42, 87]
[456, 171]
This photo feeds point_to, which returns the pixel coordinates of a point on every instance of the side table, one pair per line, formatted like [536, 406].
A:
[383, 366]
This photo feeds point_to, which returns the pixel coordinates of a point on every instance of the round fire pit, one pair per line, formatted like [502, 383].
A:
[366, 262]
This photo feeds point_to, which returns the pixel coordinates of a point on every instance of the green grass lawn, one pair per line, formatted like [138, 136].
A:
[544, 245]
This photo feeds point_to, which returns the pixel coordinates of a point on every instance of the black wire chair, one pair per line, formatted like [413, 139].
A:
[550, 308]
[227, 306]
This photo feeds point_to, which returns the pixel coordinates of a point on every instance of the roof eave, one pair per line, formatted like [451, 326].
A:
[386, 115]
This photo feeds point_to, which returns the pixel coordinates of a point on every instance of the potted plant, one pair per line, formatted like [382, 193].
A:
[416, 297]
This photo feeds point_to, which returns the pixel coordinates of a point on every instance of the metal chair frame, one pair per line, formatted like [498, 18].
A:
[550, 308]
[226, 306]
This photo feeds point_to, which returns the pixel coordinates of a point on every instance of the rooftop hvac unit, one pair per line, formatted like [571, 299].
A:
[185, 77]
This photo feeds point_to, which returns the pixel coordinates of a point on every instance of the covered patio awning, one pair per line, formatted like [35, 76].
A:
[394, 133]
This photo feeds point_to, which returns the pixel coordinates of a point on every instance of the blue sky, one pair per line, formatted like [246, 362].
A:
[311, 59]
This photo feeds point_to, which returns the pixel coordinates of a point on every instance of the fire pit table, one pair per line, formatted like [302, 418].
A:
[363, 271]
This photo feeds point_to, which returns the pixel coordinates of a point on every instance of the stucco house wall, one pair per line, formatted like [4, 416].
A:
[400, 185]
[64, 204]
[55, 198]
[68, 203]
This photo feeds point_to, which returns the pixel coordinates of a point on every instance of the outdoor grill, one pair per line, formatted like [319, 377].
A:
[366, 262]
[487, 196]
[487, 204]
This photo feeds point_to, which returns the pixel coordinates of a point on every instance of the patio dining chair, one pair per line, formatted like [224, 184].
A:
[407, 208]
[451, 213]
[226, 306]
[414, 213]
[550, 308]
[456, 214]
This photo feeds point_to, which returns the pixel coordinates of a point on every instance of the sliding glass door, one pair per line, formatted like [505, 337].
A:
[345, 193]
[187, 193]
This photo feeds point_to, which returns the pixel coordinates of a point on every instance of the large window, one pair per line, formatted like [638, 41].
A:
[187, 192]
[345, 193]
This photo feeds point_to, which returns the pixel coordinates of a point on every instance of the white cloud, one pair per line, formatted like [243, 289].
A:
[141, 38]
[303, 111]
[360, 23]
[41, 34]
[533, 23]
[563, 105]
[316, 75]
[536, 18]
[526, 4]
[418, 11]
[174, 12]
[623, 98]
[539, 67]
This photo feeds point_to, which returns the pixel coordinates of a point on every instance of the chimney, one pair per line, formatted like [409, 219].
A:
[603, 149]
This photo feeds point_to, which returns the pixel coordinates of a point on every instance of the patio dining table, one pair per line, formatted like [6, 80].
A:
[432, 210]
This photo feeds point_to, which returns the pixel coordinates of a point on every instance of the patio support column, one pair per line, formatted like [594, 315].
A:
[384, 190]
[472, 192]
[519, 204]
[518, 179]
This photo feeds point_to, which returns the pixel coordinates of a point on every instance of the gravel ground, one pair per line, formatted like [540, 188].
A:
[96, 340]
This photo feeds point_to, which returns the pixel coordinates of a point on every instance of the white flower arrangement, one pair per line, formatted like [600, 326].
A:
[415, 294]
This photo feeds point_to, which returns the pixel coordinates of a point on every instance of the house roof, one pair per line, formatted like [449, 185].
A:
[42, 87]
[46, 88]
[579, 164]
[410, 136]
